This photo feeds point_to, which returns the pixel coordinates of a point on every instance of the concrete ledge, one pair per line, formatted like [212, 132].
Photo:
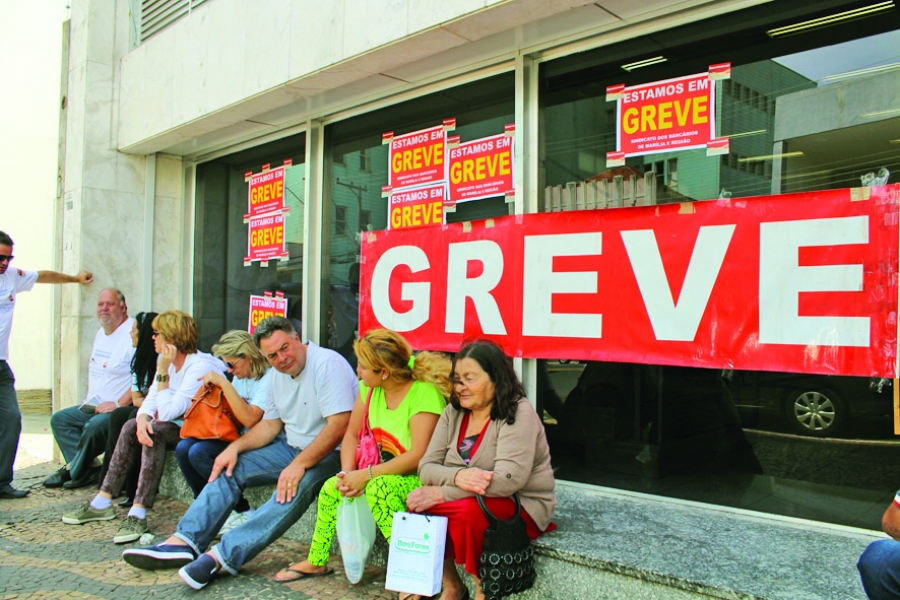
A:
[615, 544]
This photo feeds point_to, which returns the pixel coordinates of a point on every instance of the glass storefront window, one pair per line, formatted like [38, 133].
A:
[222, 284]
[813, 111]
[356, 168]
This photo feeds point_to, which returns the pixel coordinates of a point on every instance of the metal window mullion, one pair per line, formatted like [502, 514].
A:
[311, 307]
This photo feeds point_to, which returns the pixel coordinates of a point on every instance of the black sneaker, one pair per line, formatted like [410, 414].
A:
[200, 572]
[161, 556]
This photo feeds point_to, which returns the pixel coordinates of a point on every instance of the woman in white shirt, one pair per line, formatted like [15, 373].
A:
[180, 369]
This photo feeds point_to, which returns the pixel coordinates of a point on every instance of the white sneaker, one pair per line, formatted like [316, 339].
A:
[235, 519]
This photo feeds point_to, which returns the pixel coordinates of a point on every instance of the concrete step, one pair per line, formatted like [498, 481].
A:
[612, 544]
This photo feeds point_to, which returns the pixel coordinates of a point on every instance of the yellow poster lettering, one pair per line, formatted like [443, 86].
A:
[665, 115]
[651, 117]
[417, 158]
[701, 111]
[259, 314]
[648, 116]
[267, 236]
[681, 113]
[267, 192]
[480, 168]
[630, 121]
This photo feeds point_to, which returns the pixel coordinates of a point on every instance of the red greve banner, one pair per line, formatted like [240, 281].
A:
[798, 282]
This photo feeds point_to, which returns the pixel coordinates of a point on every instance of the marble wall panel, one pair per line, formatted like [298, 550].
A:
[130, 171]
[112, 240]
[68, 391]
[169, 255]
[78, 34]
[317, 37]
[369, 25]
[213, 63]
[74, 126]
[267, 38]
[101, 29]
[422, 14]
[169, 177]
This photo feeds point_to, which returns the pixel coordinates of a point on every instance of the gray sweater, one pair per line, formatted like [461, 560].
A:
[518, 455]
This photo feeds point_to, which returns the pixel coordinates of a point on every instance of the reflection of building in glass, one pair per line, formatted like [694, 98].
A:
[832, 135]
[745, 112]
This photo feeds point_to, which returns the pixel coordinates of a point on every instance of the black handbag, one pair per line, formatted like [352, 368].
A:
[507, 557]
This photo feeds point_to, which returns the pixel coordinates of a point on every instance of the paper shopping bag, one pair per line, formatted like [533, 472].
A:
[416, 555]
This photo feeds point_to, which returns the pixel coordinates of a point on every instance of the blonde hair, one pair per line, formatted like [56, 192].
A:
[386, 349]
[179, 328]
[239, 344]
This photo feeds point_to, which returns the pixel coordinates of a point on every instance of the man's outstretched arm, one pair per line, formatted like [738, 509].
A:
[54, 277]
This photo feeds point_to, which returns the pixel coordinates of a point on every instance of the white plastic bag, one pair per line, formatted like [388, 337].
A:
[356, 535]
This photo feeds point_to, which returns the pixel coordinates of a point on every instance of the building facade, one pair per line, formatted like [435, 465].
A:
[170, 107]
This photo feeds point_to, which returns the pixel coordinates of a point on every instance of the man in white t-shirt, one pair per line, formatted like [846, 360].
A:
[309, 399]
[13, 281]
[81, 431]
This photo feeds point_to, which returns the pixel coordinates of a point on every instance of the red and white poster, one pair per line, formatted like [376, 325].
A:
[417, 158]
[417, 207]
[666, 116]
[798, 282]
[266, 191]
[263, 307]
[481, 168]
[265, 240]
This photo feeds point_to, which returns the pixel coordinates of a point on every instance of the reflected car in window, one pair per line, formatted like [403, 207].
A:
[812, 405]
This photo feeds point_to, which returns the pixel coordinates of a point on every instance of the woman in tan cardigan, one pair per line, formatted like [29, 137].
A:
[489, 441]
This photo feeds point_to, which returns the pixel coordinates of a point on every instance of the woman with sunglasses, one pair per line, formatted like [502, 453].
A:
[246, 396]
[157, 428]
[143, 369]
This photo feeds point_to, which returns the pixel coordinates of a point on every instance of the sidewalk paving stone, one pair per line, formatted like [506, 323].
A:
[43, 558]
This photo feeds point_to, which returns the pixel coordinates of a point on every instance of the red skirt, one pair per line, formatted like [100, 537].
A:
[466, 524]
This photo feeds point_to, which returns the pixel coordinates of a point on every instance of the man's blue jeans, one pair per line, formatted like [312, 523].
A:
[196, 459]
[10, 424]
[199, 526]
[879, 569]
[81, 437]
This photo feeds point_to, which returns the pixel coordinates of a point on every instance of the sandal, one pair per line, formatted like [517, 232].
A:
[288, 574]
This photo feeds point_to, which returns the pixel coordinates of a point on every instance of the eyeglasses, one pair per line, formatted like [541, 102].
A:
[230, 365]
[6, 258]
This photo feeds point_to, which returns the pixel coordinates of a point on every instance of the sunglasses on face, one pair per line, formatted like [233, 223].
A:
[6, 257]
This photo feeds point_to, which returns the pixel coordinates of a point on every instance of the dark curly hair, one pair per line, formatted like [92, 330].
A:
[508, 390]
[143, 363]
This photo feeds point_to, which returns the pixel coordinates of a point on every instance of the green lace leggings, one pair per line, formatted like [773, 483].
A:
[386, 495]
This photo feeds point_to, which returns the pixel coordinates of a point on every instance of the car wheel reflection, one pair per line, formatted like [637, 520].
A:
[816, 412]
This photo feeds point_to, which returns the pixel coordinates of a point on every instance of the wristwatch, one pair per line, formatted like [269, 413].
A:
[162, 378]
